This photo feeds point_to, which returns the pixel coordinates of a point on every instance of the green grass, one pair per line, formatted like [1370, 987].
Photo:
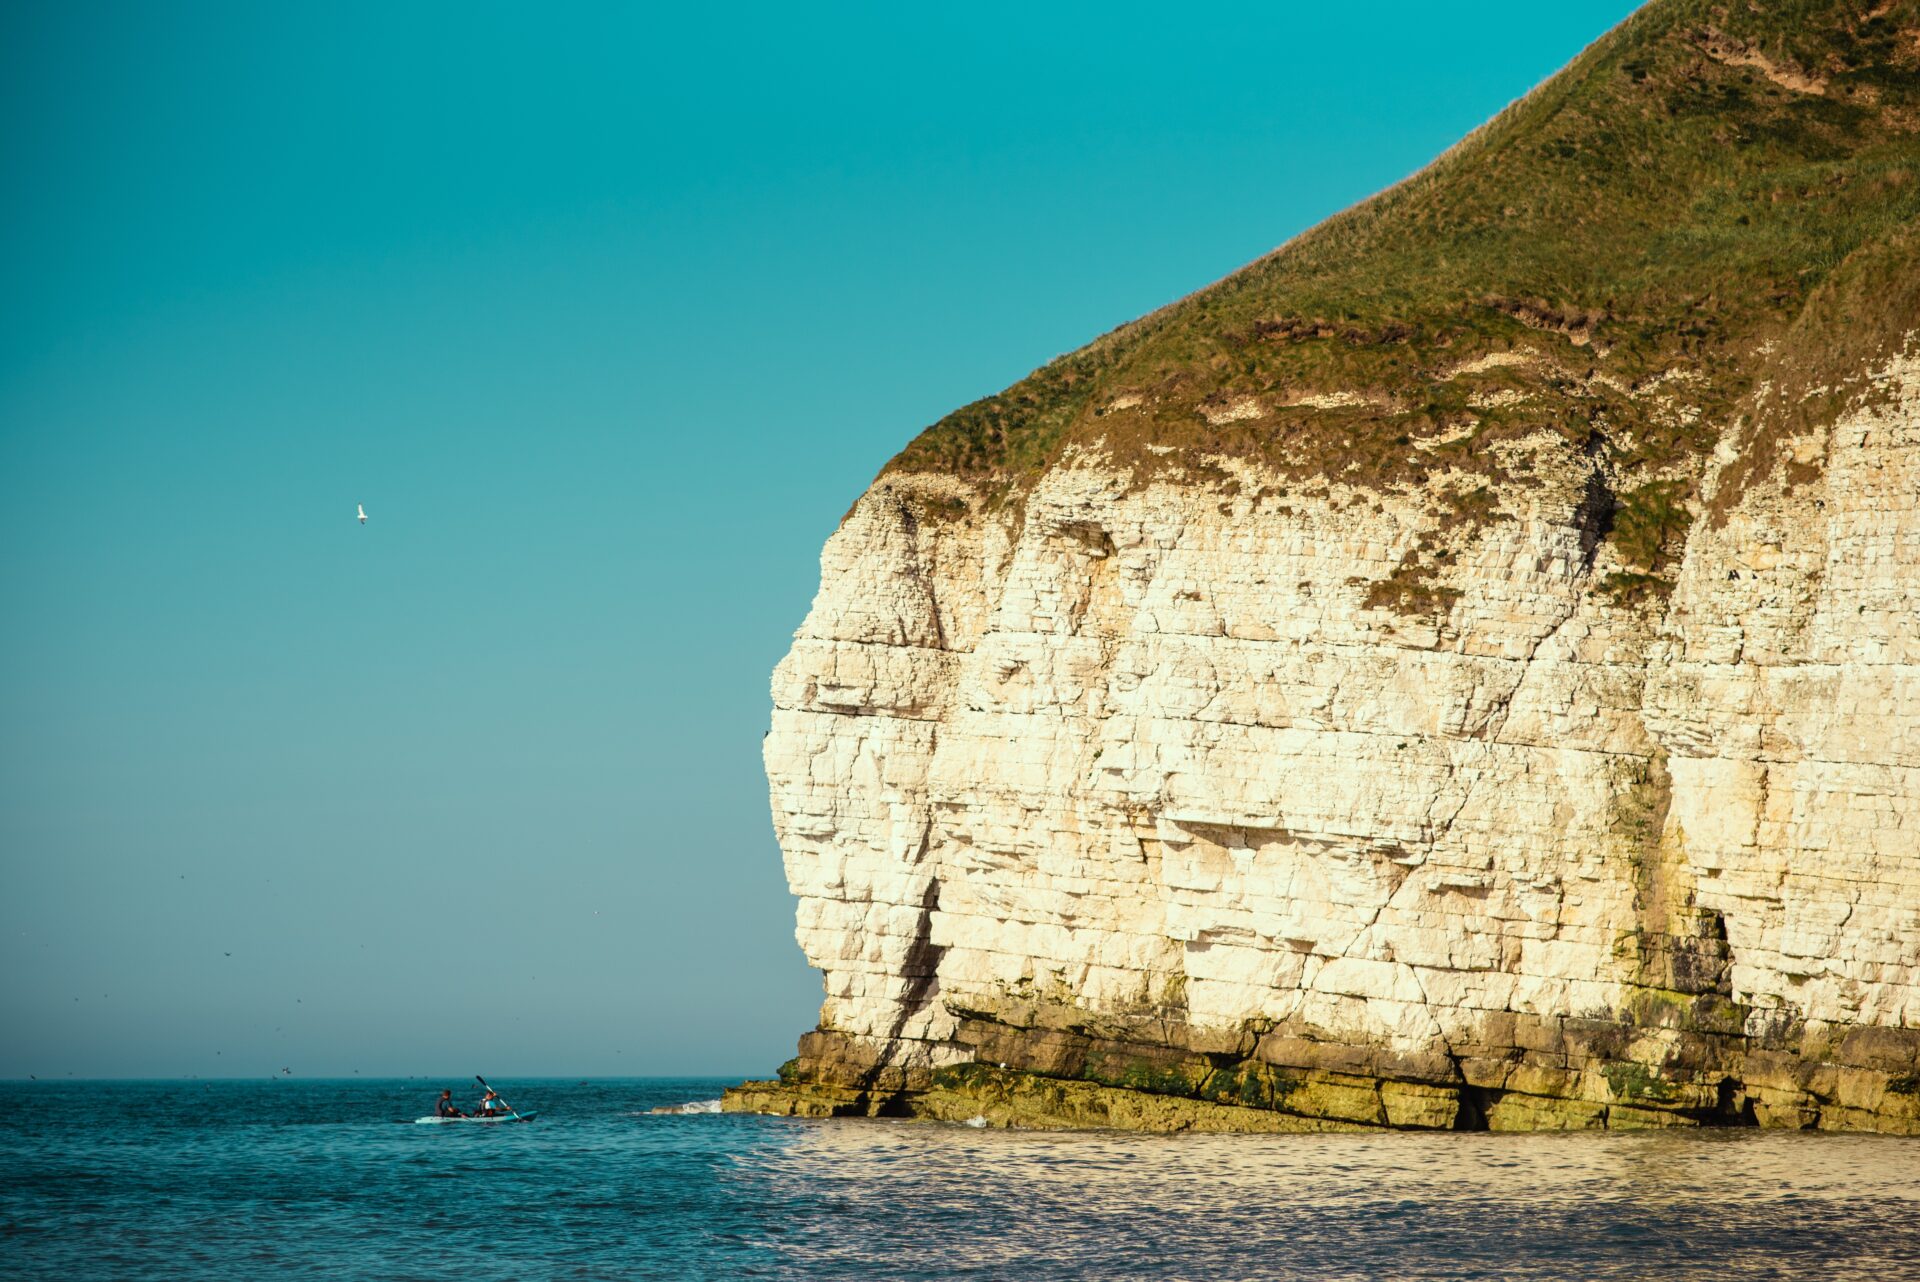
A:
[1650, 526]
[1668, 208]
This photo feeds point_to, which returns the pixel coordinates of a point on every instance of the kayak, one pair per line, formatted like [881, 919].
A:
[484, 1121]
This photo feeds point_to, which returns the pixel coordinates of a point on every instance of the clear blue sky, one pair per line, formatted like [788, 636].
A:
[606, 314]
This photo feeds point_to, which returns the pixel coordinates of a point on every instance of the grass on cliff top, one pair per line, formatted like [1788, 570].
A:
[1673, 198]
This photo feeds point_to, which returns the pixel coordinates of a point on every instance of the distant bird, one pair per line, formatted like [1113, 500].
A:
[226, 954]
[362, 509]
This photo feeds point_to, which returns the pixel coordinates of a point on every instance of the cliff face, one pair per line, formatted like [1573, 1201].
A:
[1526, 734]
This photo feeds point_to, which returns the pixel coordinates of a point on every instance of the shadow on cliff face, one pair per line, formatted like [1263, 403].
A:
[921, 965]
[921, 968]
[1593, 518]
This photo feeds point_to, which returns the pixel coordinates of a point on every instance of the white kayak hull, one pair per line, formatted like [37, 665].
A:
[472, 1121]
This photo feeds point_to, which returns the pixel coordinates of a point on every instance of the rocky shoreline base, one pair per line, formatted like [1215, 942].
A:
[1554, 1075]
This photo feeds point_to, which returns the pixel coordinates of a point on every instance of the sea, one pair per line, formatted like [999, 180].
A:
[296, 1179]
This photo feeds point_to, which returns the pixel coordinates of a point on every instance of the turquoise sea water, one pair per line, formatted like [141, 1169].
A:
[296, 1179]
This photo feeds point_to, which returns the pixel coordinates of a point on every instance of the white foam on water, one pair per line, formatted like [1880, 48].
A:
[692, 1106]
[976, 1122]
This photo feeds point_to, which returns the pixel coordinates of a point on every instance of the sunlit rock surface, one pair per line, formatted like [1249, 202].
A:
[1124, 790]
[1459, 670]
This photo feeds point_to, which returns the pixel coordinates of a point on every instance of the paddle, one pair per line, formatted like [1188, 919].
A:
[496, 1095]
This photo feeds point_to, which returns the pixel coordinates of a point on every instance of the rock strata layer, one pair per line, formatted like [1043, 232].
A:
[1163, 796]
[1127, 791]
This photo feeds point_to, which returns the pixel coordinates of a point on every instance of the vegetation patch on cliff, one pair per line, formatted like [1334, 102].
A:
[1607, 261]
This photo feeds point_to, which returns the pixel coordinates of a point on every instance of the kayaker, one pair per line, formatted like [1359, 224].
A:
[493, 1105]
[444, 1106]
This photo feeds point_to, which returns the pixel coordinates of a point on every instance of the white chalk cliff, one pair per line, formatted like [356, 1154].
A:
[1123, 795]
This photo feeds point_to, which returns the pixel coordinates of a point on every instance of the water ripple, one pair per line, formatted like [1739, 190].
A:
[315, 1180]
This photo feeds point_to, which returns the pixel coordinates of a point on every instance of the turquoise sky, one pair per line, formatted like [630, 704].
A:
[606, 314]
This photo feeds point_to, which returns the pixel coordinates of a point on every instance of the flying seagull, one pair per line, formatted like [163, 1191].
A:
[362, 508]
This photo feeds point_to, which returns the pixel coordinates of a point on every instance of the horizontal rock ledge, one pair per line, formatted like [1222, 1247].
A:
[1056, 1079]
